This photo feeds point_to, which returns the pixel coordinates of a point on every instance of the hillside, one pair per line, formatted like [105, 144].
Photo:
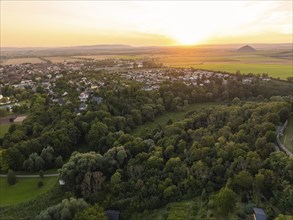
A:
[246, 48]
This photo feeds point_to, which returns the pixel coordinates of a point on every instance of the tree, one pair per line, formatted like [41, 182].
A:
[48, 155]
[94, 212]
[41, 173]
[236, 101]
[225, 201]
[243, 179]
[11, 177]
[66, 210]
[58, 162]
[79, 170]
[92, 182]
[94, 137]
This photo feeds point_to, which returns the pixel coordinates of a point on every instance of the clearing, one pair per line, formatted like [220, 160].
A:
[174, 116]
[24, 190]
[4, 129]
[190, 209]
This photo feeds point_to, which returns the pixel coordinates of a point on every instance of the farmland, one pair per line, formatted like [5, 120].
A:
[256, 63]
[15, 61]
[60, 59]
[276, 63]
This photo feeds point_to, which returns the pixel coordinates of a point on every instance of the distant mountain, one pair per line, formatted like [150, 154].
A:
[246, 48]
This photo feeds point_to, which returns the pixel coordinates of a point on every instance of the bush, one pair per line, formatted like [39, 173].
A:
[40, 183]
[11, 177]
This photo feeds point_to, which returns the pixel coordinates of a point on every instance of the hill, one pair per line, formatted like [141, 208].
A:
[246, 48]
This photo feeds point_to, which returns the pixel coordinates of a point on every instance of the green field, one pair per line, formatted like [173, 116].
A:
[283, 71]
[174, 116]
[190, 209]
[287, 138]
[258, 62]
[24, 190]
[4, 129]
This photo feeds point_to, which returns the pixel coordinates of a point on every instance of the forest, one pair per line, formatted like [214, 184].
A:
[225, 155]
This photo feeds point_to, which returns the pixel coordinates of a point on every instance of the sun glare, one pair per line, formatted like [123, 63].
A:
[187, 39]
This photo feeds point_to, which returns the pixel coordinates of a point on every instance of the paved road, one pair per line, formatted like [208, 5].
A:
[32, 176]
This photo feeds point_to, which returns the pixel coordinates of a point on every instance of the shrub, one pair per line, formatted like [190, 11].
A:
[40, 183]
[11, 177]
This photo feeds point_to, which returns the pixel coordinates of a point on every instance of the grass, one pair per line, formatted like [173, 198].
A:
[24, 190]
[281, 71]
[183, 210]
[174, 116]
[287, 138]
[4, 129]
[28, 210]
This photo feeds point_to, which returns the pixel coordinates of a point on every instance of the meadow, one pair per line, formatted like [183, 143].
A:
[4, 129]
[24, 190]
[174, 116]
[190, 209]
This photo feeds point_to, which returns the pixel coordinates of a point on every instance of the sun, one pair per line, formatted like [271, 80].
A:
[187, 37]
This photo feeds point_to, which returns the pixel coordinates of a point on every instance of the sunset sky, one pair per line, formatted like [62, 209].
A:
[69, 23]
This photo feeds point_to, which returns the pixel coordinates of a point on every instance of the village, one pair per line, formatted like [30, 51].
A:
[43, 76]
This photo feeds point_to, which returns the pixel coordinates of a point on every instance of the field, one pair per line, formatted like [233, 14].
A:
[102, 57]
[174, 116]
[24, 190]
[21, 60]
[231, 62]
[287, 138]
[191, 209]
[27, 210]
[61, 59]
[4, 129]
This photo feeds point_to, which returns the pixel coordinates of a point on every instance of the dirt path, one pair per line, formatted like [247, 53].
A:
[32, 175]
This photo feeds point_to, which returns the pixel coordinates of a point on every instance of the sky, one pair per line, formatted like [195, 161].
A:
[144, 23]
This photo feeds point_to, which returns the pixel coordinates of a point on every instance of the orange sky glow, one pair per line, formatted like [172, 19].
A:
[144, 23]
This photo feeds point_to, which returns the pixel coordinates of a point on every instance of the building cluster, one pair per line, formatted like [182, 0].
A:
[46, 75]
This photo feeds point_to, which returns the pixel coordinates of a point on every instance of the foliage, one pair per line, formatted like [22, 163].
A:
[94, 212]
[65, 210]
[11, 177]
[225, 201]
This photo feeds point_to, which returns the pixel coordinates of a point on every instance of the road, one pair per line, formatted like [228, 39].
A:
[32, 175]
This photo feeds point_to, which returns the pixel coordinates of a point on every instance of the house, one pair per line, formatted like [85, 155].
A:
[82, 106]
[113, 214]
[61, 182]
[247, 81]
[259, 214]
[97, 99]
[83, 97]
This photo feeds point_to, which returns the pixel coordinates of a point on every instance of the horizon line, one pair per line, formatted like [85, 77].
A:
[138, 46]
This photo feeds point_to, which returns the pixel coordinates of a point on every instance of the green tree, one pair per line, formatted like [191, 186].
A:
[94, 212]
[11, 177]
[66, 210]
[243, 179]
[58, 162]
[225, 201]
